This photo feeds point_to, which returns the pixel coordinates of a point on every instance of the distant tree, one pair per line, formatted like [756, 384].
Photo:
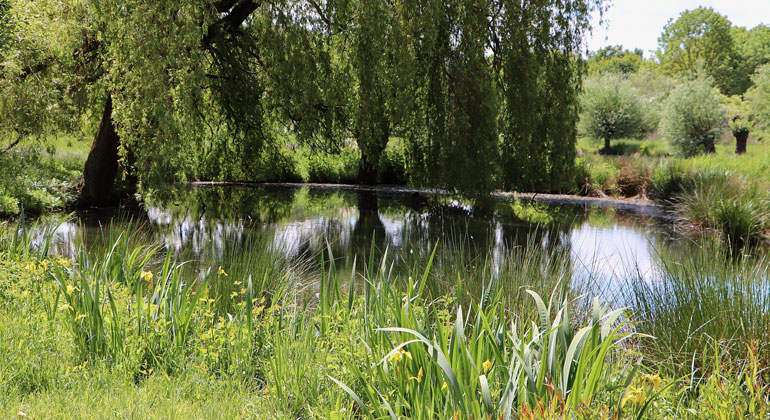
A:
[694, 118]
[699, 40]
[752, 50]
[759, 99]
[614, 59]
[610, 110]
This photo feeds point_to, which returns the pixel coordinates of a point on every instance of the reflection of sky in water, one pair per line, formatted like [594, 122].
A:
[600, 251]
[602, 254]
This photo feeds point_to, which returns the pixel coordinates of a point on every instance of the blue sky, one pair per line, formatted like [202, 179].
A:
[638, 23]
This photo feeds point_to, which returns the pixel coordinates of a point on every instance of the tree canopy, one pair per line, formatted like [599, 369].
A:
[484, 94]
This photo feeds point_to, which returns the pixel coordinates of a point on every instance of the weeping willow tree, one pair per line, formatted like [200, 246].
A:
[536, 45]
[483, 93]
[496, 92]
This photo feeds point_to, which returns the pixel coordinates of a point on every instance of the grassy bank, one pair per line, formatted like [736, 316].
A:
[723, 192]
[130, 332]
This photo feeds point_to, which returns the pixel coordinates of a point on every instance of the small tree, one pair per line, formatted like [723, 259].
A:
[611, 110]
[693, 118]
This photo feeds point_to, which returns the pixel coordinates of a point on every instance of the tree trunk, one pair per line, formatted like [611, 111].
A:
[367, 170]
[102, 164]
[606, 150]
[740, 142]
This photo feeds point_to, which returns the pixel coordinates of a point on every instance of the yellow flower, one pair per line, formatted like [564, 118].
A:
[486, 366]
[236, 283]
[147, 276]
[79, 317]
[64, 262]
[221, 271]
[43, 265]
[637, 396]
[444, 386]
[233, 295]
[71, 289]
[417, 378]
[399, 354]
[653, 380]
[65, 306]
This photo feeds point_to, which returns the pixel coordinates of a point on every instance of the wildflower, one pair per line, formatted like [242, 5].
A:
[43, 265]
[653, 380]
[221, 271]
[147, 276]
[71, 289]
[637, 396]
[80, 316]
[444, 386]
[233, 295]
[65, 306]
[64, 262]
[399, 354]
[486, 366]
[417, 378]
[236, 283]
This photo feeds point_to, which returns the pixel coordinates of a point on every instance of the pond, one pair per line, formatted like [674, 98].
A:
[213, 226]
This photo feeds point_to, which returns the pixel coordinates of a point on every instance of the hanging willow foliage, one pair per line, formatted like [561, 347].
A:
[483, 93]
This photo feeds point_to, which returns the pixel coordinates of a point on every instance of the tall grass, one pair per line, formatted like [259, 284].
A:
[397, 338]
[698, 298]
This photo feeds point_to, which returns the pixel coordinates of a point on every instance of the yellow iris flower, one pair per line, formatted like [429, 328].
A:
[400, 354]
[417, 378]
[486, 366]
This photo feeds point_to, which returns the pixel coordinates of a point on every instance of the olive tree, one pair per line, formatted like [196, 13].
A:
[611, 110]
[693, 118]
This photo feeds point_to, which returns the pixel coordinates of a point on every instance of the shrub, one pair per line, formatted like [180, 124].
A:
[611, 110]
[693, 118]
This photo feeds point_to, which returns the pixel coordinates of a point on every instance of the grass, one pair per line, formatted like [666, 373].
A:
[723, 192]
[125, 330]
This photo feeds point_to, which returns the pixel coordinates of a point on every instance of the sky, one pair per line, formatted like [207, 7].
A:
[638, 23]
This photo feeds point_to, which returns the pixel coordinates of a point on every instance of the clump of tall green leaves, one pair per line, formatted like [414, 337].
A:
[421, 362]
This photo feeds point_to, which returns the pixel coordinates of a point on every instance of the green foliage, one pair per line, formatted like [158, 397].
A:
[694, 118]
[159, 342]
[614, 59]
[32, 181]
[759, 97]
[540, 100]
[610, 110]
[698, 39]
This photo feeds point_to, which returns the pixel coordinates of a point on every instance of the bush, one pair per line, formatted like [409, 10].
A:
[339, 168]
[693, 118]
[611, 110]
[392, 167]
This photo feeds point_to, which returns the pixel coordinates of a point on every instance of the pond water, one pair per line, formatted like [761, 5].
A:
[211, 226]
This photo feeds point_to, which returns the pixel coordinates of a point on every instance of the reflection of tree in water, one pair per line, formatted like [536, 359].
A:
[368, 227]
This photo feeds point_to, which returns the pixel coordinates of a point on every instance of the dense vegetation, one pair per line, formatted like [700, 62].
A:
[125, 330]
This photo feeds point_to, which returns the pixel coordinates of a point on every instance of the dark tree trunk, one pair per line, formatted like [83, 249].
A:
[102, 164]
[367, 170]
[740, 142]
